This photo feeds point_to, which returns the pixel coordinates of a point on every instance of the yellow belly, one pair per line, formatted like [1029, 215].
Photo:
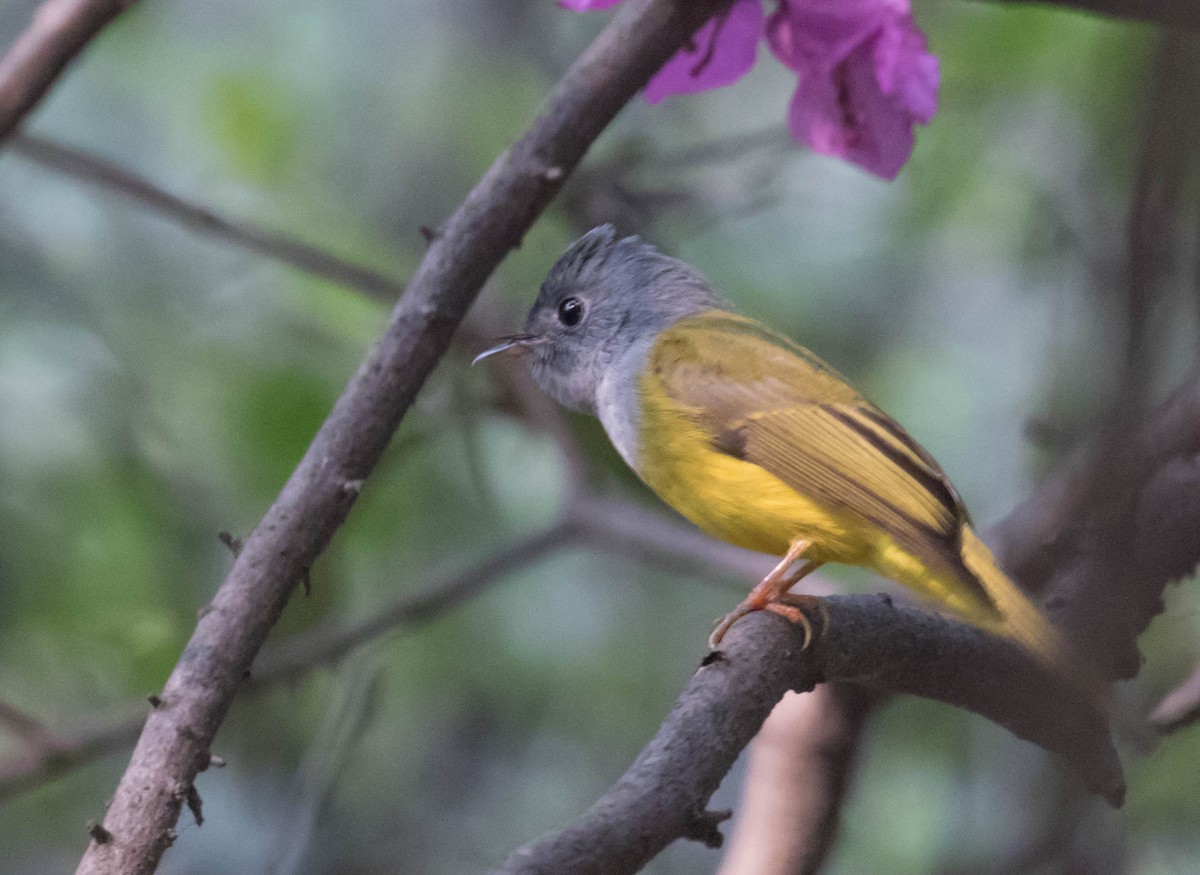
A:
[734, 500]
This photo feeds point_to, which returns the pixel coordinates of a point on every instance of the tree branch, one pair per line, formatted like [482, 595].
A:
[59, 31]
[42, 762]
[868, 640]
[320, 493]
[1171, 13]
[799, 771]
[326, 643]
[1179, 708]
[93, 170]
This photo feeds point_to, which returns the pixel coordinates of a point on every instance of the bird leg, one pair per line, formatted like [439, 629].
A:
[771, 594]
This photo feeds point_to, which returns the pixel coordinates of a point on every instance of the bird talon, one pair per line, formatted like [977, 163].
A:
[791, 607]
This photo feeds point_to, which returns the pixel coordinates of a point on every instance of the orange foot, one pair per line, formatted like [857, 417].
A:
[790, 606]
[771, 594]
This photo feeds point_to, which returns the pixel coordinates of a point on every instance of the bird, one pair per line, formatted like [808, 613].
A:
[757, 441]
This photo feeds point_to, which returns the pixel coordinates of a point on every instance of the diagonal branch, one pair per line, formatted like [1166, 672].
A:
[320, 493]
[327, 643]
[93, 170]
[59, 31]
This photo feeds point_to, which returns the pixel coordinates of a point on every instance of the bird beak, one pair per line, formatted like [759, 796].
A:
[513, 341]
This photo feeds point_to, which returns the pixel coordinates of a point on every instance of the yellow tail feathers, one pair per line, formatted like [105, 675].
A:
[1019, 618]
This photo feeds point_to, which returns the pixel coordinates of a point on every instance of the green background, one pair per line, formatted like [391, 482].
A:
[157, 387]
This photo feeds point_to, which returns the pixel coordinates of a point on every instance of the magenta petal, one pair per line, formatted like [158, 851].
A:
[844, 113]
[720, 53]
[905, 69]
[587, 5]
[807, 34]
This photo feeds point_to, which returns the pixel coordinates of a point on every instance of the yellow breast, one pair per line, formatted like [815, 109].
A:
[731, 499]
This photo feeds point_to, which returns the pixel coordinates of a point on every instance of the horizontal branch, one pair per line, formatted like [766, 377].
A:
[1171, 13]
[870, 641]
[59, 31]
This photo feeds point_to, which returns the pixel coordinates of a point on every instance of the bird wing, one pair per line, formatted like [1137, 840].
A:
[780, 407]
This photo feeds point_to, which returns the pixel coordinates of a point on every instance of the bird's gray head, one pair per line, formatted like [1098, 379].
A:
[603, 297]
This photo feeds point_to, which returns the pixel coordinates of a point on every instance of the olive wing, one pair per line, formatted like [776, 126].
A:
[769, 402]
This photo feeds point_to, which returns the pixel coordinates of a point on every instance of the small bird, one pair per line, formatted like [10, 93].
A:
[756, 440]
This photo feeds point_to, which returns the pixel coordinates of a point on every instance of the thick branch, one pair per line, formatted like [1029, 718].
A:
[870, 641]
[318, 496]
[59, 31]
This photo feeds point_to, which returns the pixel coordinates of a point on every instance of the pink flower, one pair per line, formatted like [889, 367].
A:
[719, 54]
[865, 75]
[865, 78]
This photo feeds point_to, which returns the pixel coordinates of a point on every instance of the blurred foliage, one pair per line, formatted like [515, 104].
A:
[157, 387]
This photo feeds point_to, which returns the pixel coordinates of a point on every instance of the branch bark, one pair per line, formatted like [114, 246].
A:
[869, 641]
[1171, 13]
[59, 31]
[491, 220]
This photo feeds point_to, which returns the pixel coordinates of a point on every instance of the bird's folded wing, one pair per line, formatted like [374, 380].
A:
[770, 402]
[854, 458]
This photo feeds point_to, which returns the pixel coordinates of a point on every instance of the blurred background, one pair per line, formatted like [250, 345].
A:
[158, 385]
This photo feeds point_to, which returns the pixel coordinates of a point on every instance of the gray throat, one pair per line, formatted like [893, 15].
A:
[618, 405]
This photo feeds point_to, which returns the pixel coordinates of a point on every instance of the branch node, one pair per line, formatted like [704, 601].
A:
[156, 701]
[99, 834]
[430, 234]
[195, 805]
[705, 828]
[234, 544]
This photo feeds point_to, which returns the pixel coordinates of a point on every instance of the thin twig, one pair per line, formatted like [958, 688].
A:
[37, 764]
[25, 726]
[1172, 13]
[333, 744]
[108, 175]
[58, 33]
[625, 527]
[1179, 708]
[329, 642]
[1167, 147]
[294, 657]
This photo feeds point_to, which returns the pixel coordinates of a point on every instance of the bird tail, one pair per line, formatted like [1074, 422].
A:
[1019, 619]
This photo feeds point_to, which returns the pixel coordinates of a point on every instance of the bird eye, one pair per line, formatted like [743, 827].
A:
[570, 311]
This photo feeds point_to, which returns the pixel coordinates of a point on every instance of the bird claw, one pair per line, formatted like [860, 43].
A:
[787, 605]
